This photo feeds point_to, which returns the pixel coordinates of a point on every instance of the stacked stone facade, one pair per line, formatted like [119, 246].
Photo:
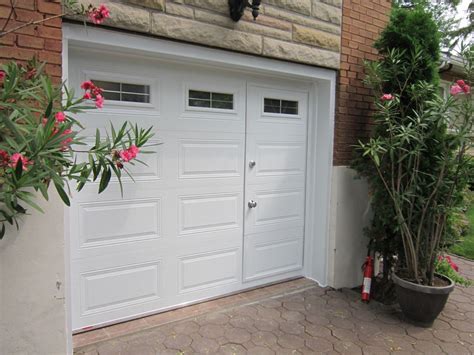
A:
[304, 31]
[42, 40]
[362, 23]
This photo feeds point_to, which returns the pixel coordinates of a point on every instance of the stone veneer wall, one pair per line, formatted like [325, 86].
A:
[305, 31]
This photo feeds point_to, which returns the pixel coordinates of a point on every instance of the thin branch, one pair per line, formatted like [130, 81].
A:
[12, 11]
[31, 23]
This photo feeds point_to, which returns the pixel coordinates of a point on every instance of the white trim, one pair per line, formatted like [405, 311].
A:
[67, 249]
[320, 125]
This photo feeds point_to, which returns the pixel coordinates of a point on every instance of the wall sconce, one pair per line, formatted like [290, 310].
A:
[237, 8]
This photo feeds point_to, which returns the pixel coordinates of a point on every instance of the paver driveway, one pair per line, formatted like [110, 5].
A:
[302, 318]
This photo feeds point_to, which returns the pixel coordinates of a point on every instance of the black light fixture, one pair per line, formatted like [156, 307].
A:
[237, 8]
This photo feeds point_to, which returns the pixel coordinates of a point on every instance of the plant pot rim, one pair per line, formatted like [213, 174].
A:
[423, 288]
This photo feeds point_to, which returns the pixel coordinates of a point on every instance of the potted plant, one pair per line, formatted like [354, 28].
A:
[417, 161]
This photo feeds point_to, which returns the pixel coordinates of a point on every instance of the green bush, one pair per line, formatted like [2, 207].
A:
[412, 35]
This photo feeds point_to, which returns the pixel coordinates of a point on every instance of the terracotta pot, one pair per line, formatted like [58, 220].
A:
[421, 304]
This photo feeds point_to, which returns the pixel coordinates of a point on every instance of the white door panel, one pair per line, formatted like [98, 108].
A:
[276, 160]
[277, 207]
[275, 182]
[276, 124]
[272, 253]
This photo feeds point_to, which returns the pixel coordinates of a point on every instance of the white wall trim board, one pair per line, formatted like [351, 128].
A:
[320, 125]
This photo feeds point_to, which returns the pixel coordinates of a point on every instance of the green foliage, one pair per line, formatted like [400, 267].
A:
[410, 31]
[464, 244]
[416, 162]
[46, 148]
[443, 267]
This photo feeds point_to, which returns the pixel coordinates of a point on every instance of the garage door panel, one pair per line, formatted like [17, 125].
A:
[102, 120]
[209, 213]
[110, 286]
[119, 287]
[107, 223]
[272, 253]
[277, 207]
[203, 102]
[209, 270]
[200, 158]
[281, 111]
[276, 160]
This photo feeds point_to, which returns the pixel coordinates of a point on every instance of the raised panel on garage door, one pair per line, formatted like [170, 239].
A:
[175, 236]
[275, 181]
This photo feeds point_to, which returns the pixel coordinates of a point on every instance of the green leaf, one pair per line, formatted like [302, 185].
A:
[19, 169]
[105, 179]
[62, 194]
[49, 109]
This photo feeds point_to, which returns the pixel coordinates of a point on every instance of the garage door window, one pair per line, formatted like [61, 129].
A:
[125, 92]
[212, 100]
[285, 107]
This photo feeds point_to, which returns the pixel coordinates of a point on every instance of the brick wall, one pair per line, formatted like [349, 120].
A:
[362, 22]
[305, 31]
[42, 40]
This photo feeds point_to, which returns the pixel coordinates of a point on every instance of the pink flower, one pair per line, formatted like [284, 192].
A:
[4, 158]
[125, 155]
[455, 89]
[99, 101]
[60, 117]
[86, 85]
[66, 142]
[17, 157]
[129, 154]
[451, 263]
[2, 74]
[460, 87]
[87, 96]
[134, 150]
[386, 97]
[98, 15]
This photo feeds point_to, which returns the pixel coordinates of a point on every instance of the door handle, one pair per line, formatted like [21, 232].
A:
[252, 163]
[252, 204]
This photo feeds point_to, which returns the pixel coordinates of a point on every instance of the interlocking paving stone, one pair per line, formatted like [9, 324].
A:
[308, 320]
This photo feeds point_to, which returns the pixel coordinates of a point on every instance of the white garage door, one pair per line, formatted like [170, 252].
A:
[220, 206]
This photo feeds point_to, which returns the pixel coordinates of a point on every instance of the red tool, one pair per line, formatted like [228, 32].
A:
[368, 269]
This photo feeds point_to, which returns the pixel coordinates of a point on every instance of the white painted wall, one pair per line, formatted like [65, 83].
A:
[350, 213]
[32, 311]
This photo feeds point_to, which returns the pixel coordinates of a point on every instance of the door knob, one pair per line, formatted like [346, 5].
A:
[252, 204]
[252, 163]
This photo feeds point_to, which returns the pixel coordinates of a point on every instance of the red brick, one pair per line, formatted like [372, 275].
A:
[8, 40]
[53, 69]
[5, 11]
[27, 15]
[362, 21]
[50, 57]
[12, 24]
[49, 32]
[30, 41]
[20, 4]
[18, 53]
[53, 45]
[49, 7]
[54, 22]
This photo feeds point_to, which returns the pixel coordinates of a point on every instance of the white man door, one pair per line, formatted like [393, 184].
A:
[218, 209]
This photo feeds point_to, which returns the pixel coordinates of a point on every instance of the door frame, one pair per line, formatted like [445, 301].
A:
[320, 125]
